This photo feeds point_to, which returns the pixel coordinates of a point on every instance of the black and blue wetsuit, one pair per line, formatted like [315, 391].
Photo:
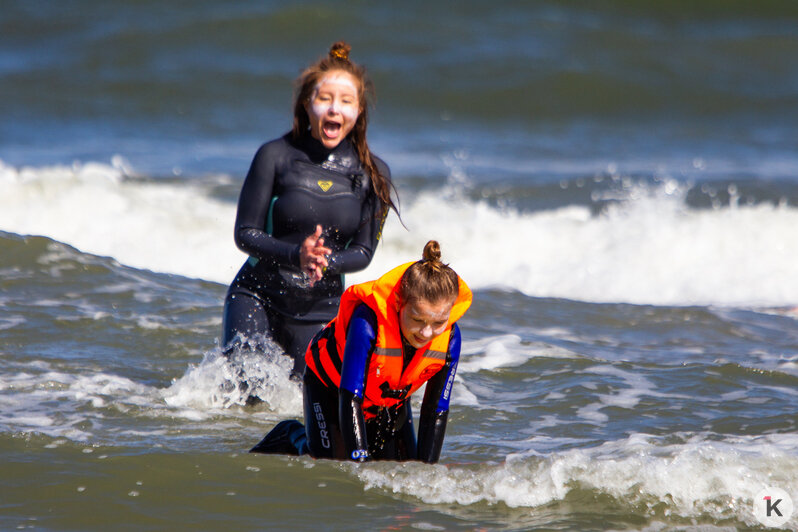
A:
[291, 187]
[334, 421]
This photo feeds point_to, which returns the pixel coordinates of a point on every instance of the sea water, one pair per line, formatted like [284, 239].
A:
[617, 183]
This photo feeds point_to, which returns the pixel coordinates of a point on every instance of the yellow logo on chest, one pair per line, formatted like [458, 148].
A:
[324, 185]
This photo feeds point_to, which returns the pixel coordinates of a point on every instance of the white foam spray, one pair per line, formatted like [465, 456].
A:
[242, 376]
[649, 249]
[88, 402]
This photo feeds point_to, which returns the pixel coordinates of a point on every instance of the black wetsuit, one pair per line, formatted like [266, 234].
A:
[291, 187]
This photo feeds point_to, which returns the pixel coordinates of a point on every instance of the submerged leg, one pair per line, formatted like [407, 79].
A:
[294, 336]
[251, 317]
[287, 437]
[243, 314]
[321, 419]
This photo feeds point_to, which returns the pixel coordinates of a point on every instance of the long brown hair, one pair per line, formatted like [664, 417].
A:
[429, 279]
[338, 59]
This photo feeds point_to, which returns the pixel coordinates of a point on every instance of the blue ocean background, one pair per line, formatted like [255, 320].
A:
[616, 180]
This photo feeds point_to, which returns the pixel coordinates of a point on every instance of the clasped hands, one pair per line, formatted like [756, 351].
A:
[313, 256]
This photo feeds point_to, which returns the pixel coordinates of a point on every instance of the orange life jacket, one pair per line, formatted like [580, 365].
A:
[386, 383]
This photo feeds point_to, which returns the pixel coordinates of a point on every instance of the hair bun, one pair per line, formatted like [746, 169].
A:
[432, 251]
[429, 279]
[340, 50]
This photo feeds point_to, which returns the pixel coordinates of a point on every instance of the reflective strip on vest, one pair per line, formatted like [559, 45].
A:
[438, 355]
[388, 352]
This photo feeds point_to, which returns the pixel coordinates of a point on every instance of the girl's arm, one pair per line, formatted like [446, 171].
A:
[360, 340]
[435, 406]
[254, 203]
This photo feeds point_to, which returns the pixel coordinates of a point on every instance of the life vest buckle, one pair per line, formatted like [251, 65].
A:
[389, 393]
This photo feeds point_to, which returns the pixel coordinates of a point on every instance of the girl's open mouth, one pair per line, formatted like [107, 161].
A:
[331, 129]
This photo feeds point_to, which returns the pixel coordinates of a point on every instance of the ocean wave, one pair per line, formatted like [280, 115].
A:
[697, 476]
[646, 245]
[648, 248]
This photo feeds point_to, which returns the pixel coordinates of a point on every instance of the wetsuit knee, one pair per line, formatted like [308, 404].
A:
[321, 419]
[248, 318]
[244, 316]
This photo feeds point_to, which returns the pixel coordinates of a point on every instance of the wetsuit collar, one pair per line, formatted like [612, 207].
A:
[317, 152]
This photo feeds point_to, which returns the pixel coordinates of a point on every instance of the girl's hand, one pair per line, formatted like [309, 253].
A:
[313, 256]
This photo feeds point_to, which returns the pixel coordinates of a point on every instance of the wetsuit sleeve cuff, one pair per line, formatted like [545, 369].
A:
[293, 257]
[333, 264]
[349, 260]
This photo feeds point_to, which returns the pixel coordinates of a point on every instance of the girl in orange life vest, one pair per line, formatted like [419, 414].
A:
[390, 337]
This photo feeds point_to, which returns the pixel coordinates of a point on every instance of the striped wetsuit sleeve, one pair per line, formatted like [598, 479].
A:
[360, 340]
[361, 337]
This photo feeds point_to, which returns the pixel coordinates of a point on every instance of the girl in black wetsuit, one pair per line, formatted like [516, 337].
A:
[311, 209]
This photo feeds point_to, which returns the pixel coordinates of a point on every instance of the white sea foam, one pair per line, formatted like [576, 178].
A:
[649, 248]
[10, 321]
[506, 351]
[27, 399]
[698, 476]
[85, 402]
[461, 394]
[220, 382]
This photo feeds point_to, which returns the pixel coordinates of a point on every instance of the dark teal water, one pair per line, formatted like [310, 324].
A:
[617, 181]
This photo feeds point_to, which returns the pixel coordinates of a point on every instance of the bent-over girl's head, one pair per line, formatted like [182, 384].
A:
[427, 293]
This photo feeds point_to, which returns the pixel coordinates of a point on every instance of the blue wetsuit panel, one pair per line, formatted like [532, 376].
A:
[454, 358]
[360, 340]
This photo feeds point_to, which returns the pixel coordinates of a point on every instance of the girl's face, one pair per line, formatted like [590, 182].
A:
[421, 320]
[333, 108]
